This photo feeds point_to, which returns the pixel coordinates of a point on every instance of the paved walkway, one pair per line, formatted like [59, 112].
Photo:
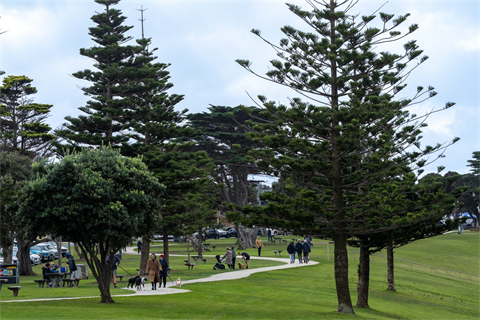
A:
[171, 289]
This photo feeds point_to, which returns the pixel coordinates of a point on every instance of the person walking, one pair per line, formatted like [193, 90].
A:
[299, 250]
[139, 246]
[153, 270]
[115, 263]
[291, 252]
[306, 251]
[259, 245]
[234, 257]
[269, 234]
[163, 271]
[228, 256]
[246, 257]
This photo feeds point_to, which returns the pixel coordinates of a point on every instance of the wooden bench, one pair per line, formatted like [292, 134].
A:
[204, 260]
[279, 252]
[214, 247]
[69, 282]
[120, 276]
[284, 241]
[41, 283]
[15, 290]
[189, 265]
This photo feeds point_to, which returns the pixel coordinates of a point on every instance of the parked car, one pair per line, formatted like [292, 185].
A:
[44, 254]
[14, 258]
[49, 248]
[212, 234]
[159, 237]
[54, 246]
[34, 258]
[222, 233]
[232, 233]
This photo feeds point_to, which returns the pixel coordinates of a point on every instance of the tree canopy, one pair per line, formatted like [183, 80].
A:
[96, 198]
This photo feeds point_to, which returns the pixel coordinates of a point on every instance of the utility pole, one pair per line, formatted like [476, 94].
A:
[141, 10]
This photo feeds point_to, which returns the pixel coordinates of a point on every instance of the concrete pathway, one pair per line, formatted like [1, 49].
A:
[171, 289]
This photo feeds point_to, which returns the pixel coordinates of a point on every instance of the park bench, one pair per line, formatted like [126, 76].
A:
[284, 241]
[275, 251]
[41, 283]
[2, 281]
[120, 276]
[214, 247]
[204, 260]
[190, 265]
[15, 290]
[69, 282]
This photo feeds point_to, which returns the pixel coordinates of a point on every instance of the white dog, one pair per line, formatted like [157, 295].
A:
[178, 283]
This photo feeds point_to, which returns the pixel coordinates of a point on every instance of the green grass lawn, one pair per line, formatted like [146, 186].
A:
[299, 293]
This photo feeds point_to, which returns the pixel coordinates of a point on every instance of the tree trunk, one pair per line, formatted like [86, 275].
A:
[188, 248]
[144, 256]
[244, 239]
[79, 253]
[23, 255]
[363, 277]
[166, 251]
[390, 277]
[200, 246]
[341, 275]
[59, 250]
[8, 255]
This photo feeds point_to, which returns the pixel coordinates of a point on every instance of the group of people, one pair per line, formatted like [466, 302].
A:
[302, 250]
[231, 257]
[53, 268]
[157, 270]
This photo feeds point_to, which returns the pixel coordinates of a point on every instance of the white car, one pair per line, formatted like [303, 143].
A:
[34, 258]
[49, 248]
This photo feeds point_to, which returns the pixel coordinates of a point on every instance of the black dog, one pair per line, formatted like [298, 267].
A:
[137, 281]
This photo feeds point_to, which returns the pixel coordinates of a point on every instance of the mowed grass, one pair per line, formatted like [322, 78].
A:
[299, 293]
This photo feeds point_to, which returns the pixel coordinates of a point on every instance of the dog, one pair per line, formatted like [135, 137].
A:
[178, 283]
[138, 282]
[241, 266]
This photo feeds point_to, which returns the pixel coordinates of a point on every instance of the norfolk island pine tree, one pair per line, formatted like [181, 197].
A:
[354, 135]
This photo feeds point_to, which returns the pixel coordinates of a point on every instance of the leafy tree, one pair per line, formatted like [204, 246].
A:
[217, 132]
[186, 175]
[22, 121]
[96, 198]
[353, 148]
[15, 171]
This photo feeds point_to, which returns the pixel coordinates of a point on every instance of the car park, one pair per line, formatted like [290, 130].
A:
[49, 248]
[44, 254]
[212, 234]
[159, 237]
[222, 233]
[54, 246]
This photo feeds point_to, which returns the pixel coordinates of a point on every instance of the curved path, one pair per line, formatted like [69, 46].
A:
[171, 289]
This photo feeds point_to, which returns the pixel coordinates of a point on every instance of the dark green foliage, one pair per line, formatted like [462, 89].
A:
[22, 122]
[15, 170]
[96, 198]
[116, 80]
[349, 154]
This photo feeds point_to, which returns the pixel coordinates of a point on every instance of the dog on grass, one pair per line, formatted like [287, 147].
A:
[178, 283]
[241, 266]
[138, 282]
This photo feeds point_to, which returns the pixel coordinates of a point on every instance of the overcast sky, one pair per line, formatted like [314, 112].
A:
[202, 39]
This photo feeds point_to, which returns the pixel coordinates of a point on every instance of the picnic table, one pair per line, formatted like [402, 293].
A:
[277, 251]
[57, 278]
[205, 246]
[278, 240]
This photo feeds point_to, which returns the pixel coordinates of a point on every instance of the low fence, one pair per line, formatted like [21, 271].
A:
[426, 268]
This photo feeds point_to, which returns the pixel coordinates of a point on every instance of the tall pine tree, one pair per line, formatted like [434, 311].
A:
[354, 146]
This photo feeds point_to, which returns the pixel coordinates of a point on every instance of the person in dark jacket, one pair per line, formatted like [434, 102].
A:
[246, 257]
[299, 250]
[306, 251]
[164, 271]
[72, 267]
[115, 263]
[234, 256]
[291, 252]
[139, 246]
